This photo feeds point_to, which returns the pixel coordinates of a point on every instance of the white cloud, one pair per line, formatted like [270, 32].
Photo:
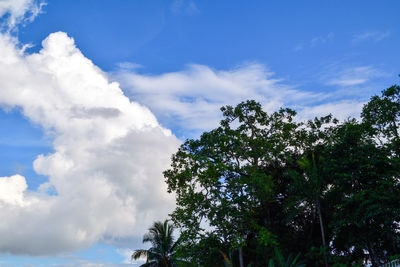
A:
[353, 76]
[18, 11]
[342, 109]
[375, 36]
[191, 99]
[12, 190]
[109, 154]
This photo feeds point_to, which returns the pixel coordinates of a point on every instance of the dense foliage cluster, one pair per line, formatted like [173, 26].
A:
[262, 188]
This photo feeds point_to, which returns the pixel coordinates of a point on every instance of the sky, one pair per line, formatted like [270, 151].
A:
[95, 97]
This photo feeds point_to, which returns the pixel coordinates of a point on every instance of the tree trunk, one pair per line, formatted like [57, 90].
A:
[322, 231]
[374, 259]
[241, 257]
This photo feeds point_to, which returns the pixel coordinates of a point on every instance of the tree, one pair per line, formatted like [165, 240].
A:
[225, 181]
[260, 182]
[310, 180]
[382, 113]
[161, 253]
[366, 194]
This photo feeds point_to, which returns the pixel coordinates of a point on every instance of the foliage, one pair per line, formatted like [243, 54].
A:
[224, 179]
[161, 253]
[281, 261]
[366, 181]
[261, 183]
[382, 113]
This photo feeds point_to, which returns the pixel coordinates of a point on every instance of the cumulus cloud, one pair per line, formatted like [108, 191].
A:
[12, 190]
[19, 11]
[191, 99]
[105, 173]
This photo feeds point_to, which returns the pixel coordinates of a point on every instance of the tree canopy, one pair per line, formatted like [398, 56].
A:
[260, 183]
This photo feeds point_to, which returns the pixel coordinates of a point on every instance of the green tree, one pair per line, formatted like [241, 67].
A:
[310, 180]
[161, 253]
[225, 181]
[260, 182]
[366, 196]
[383, 114]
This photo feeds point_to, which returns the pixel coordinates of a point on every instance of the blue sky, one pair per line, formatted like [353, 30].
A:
[117, 85]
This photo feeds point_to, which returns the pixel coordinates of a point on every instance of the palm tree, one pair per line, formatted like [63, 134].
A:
[160, 236]
[312, 184]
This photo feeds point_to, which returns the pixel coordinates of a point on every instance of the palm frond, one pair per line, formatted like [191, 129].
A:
[139, 253]
[160, 235]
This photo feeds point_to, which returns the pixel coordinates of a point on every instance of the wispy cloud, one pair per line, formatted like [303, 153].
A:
[298, 47]
[184, 7]
[375, 36]
[321, 39]
[353, 76]
[129, 66]
[190, 99]
[14, 12]
[341, 109]
[315, 41]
